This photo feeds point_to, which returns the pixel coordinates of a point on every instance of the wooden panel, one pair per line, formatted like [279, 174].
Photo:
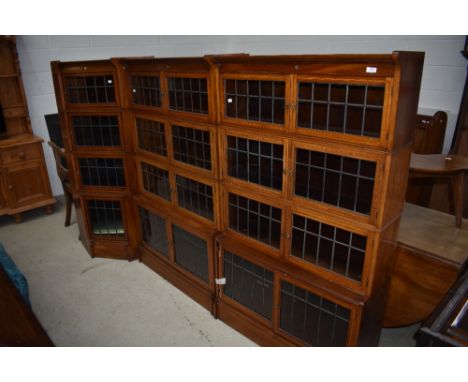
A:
[418, 283]
[118, 251]
[21, 153]
[17, 126]
[18, 324]
[424, 268]
[7, 57]
[10, 94]
[26, 183]
[251, 328]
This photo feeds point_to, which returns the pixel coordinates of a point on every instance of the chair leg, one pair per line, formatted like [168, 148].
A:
[457, 187]
[68, 202]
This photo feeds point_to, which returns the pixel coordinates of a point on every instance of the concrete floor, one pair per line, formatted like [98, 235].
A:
[82, 301]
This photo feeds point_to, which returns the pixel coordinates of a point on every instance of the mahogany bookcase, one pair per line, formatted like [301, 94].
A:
[267, 188]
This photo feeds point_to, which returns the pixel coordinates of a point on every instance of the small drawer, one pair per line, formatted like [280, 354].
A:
[21, 153]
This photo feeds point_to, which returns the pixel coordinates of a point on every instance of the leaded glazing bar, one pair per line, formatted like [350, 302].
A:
[105, 217]
[192, 146]
[329, 247]
[96, 130]
[156, 180]
[344, 108]
[188, 94]
[312, 318]
[153, 229]
[341, 181]
[195, 196]
[151, 136]
[102, 172]
[257, 220]
[249, 284]
[146, 90]
[191, 252]
[255, 100]
[90, 89]
[255, 161]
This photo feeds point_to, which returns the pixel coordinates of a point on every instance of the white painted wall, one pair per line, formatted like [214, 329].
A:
[442, 84]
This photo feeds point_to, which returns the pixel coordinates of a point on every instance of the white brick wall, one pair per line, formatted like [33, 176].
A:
[442, 84]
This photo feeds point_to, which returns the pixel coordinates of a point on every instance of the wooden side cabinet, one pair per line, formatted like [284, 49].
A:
[24, 182]
[24, 176]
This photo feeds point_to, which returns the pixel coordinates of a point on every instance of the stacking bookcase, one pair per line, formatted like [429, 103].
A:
[172, 111]
[95, 134]
[267, 188]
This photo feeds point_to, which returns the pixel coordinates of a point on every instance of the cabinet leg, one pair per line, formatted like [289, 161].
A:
[18, 218]
[49, 209]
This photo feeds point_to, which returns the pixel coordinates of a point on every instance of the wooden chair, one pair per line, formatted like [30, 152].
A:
[428, 139]
[63, 173]
[451, 167]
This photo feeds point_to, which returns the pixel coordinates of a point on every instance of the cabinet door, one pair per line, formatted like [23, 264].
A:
[26, 183]
[260, 101]
[2, 199]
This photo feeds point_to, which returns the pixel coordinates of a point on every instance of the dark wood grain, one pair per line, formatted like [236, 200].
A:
[18, 324]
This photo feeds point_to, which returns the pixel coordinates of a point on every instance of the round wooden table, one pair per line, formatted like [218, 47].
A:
[441, 165]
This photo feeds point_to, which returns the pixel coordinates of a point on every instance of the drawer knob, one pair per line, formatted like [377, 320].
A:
[10, 187]
[22, 154]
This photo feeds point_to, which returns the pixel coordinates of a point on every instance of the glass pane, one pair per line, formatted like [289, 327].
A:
[192, 146]
[151, 136]
[248, 284]
[191, 252]
[337, 180]
[153, 229]
[350, 109]
[102, 172]
[146, 90]
[98, 130]
[105, 217]
[92, 89]
[195, 196]
[312, 318]
[255, 100]
[257, 220]
[255, 162]
[156, 180]
[329, 247]
[188, 94]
